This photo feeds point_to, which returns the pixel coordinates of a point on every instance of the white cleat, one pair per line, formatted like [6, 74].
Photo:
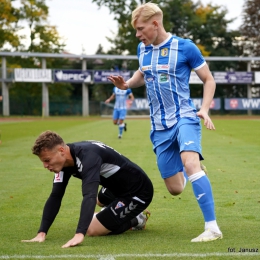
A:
[207, 236]
[142, 219]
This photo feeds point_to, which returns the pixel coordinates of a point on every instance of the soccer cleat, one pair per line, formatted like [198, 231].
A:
[119, 136]
[142, 219]
[125, 127]
[203, 168]
[207, 236]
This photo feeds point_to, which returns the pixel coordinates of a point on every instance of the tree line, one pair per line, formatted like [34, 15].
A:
[206, 25]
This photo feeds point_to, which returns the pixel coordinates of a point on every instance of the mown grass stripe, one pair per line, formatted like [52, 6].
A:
[147, 255]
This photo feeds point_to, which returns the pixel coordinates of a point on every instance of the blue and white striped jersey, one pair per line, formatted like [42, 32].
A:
[166, 68]
[121, 97]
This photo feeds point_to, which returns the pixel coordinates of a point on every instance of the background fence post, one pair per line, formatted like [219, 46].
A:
[85, 95]
[249, 87]
[45, 94]
[5, 90]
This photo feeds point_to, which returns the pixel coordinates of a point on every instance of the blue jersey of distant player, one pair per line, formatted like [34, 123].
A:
[166, 68]
[121, 97]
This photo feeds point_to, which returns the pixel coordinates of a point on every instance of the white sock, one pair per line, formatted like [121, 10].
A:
[139, 219]
[212, 225]
[196, 176]
[185, 181]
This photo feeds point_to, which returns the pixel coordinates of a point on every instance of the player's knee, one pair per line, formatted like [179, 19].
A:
[175, 190]
[191, 163]
[91, 232]
[175, 184]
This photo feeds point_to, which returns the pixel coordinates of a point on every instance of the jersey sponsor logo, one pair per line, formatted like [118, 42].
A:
[58, 177]
[79, 164]
[163, 78]
[119, 204]
[164, 52]
[144, 68]
[163, 67]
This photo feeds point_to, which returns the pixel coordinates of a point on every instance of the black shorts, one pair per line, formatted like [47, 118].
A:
[125, 209]
[105, 196]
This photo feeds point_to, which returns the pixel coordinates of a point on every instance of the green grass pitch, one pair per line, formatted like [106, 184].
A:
[232, 157]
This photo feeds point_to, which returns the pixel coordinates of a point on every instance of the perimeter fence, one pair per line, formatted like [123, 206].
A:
[47, 105]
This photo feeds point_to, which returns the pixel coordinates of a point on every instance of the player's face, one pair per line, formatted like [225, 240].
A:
[147, 31]
[54, 159]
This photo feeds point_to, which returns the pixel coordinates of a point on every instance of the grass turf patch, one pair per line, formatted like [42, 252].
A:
[232, 159]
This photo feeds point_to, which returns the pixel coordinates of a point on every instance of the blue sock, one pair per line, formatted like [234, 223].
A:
[121, 128]
[203, 193]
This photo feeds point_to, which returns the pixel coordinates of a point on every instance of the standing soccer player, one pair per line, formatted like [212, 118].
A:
[165, 64]
[120, 107]
[94, 163]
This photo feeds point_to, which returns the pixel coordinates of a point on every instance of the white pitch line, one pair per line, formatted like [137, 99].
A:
[113, 257]
[106, 258]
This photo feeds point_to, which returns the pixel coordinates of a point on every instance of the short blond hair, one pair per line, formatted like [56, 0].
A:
[146, 11]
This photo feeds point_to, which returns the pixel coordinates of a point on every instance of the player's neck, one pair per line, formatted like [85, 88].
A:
[162, 36]
[69, 159]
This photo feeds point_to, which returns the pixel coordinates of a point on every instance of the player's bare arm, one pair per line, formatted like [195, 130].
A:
[131, 99]
[137, 80]
[112, 97]
[208, 93]
[39, 238]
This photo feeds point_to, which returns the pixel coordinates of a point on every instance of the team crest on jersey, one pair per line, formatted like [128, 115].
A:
[164, 52]
[163, 78]
[120, 204]
[58, 177]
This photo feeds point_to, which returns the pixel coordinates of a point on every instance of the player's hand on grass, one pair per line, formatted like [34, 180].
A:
[39, 238]
[77, 239]
[207, 121]
[118, 81]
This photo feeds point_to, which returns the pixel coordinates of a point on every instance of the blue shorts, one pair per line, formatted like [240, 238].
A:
[169, 143]
[119, 114]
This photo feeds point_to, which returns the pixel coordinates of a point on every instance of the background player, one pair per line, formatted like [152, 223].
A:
[95, 164]
[120, 107]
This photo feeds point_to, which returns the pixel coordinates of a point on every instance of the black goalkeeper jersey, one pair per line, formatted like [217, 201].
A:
[95, 164]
